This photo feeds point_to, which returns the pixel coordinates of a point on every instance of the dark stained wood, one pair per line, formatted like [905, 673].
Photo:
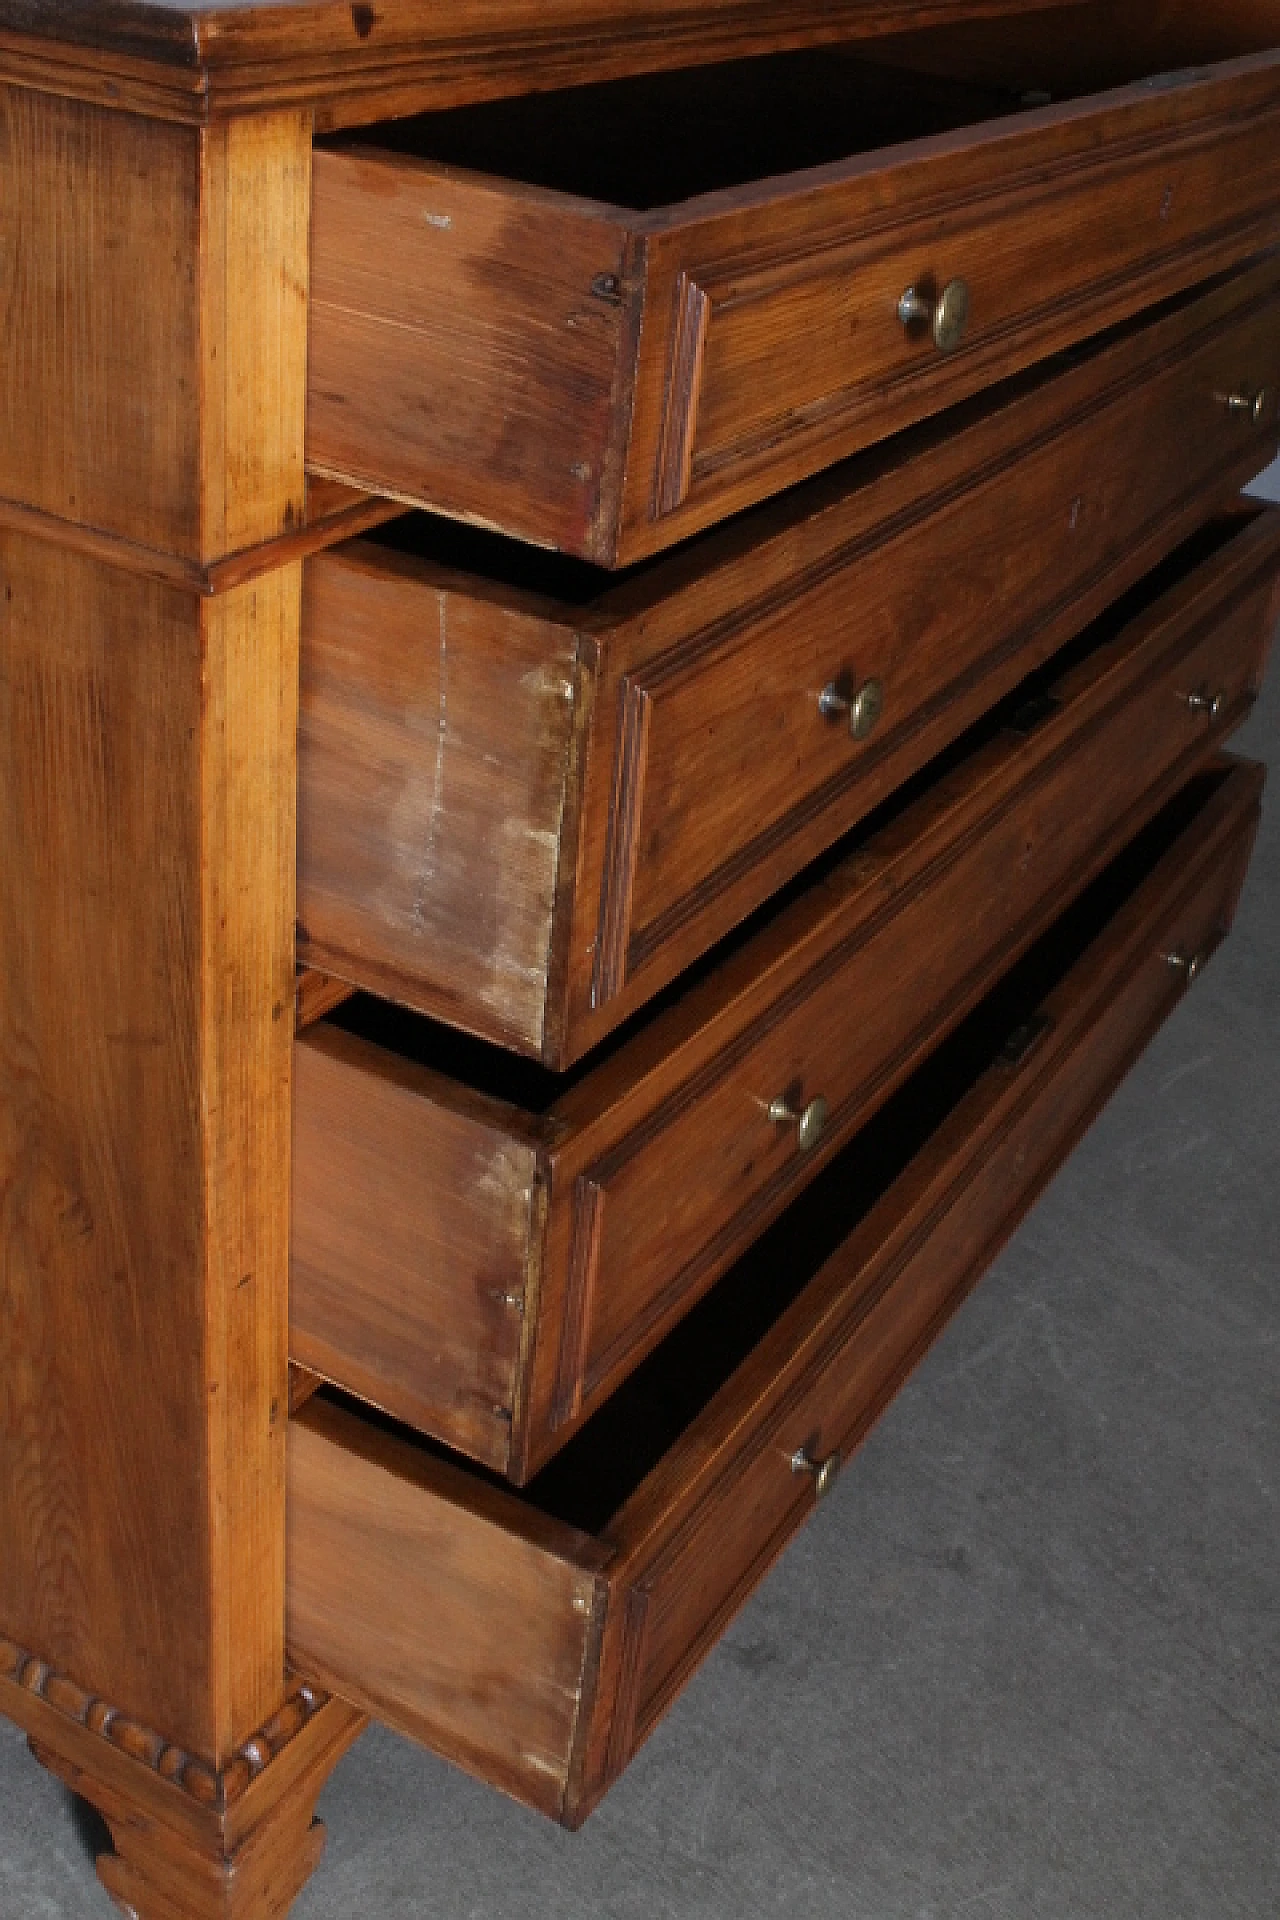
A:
[525, 815]
[577, 1638]
[489, 1272]
[676, 365]
[193, 62]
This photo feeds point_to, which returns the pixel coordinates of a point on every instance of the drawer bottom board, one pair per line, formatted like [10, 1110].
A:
[537, 1638]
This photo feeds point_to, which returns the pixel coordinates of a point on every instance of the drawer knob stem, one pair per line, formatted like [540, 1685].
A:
[823, 1472]
[1210, 704]
[1190, 964]
[809, 1121]
[863, 708]
[946, 314]
[1247, 406]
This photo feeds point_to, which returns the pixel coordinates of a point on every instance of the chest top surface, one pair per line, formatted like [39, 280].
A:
[229, 56]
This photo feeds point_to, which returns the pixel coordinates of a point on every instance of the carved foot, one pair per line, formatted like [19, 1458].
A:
[246, 1857]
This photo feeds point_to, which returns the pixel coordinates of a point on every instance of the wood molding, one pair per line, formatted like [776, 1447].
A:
[355, 64]
[218, 1789]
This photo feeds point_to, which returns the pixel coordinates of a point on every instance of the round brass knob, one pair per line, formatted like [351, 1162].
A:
[1202, 701]
[947, 314]
[862, 708]
[1248, 406]
[809, 1121]
[1190, 964]
[868, 705]
[824, 1472]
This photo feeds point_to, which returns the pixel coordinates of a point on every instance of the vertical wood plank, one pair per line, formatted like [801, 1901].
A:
[147, 816]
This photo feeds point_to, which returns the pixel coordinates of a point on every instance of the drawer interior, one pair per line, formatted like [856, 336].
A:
[662, 139]
[536, 1091]
[605, 1466]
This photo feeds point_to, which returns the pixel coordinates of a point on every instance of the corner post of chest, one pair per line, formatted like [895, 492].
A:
[152, 410]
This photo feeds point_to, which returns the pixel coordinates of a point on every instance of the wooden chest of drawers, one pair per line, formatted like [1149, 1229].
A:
[683, 562]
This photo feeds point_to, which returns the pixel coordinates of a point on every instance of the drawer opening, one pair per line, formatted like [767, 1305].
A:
[663, 139]
[586, 1486]
[1069, 51]
[666, 138]
[535, 1090]
[537, 1637]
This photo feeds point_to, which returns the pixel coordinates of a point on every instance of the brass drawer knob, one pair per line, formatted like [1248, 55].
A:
[809, 1121]
[863, 708]
[823, 1472]
[1189, 964]
[946, 314]
[1247, 406]
[1202, 701]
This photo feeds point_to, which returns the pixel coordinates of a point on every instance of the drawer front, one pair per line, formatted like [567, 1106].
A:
[849, 1030]
[488, 1273]
[726, 752]
[902, 1278]
[538, 1653]
[797, 360]
[527, 819]
[680, 364]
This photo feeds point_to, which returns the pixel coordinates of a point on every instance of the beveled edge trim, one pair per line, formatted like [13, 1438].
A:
[359, 515]
[216, 1790]
[198, 68]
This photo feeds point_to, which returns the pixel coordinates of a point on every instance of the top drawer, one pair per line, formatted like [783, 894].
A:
[604, 318]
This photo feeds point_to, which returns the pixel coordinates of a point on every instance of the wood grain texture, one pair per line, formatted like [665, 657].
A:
[496, 1679]
[525, 815]
[661, 1164]
[757, 338]
[191, 62]
[148, 777]
[438, 768]
[580, 1641]
[145, 1107]
[186, 346]
[246, 1861]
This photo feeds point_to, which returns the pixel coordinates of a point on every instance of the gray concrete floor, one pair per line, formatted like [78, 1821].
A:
[1025, 1662]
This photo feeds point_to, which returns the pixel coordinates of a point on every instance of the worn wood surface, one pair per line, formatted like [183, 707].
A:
[525, 815]
[211, 1862]
[144, 1091]
[755, 337]
[186, 347]
[660, 1164]
[448, 1620]
[194, 62]
[576, 1641]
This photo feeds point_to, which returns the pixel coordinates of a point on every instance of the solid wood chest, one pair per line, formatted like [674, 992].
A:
[618, 639]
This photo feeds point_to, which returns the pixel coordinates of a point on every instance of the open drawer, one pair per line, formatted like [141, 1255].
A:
[529, 794]
[485, 1250]
[537, 1638]
[603, 318]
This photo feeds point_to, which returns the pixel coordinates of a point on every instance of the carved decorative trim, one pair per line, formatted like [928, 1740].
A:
[217, 1791]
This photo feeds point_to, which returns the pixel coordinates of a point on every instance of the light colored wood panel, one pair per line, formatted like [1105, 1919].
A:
[451, 1626]
[153, 385]
[147, 945]
[412, 1245]
[428, 286]
[255, 262]
[99, 421]
[436, 766]
[247, 814]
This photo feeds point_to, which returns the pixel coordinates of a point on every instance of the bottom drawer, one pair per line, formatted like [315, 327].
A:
[536, 1637]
